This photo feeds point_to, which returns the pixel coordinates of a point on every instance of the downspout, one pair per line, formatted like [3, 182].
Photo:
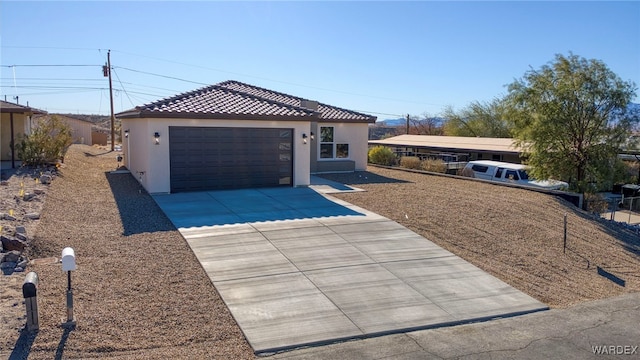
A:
[13, 143]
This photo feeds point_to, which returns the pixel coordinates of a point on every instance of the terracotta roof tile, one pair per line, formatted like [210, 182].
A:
[233, 99]
[327, 112]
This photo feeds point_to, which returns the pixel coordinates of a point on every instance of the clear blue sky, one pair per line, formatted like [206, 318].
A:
[384, 58]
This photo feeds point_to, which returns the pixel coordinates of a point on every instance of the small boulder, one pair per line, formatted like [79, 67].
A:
[21, 236]
[21, 229]
[38, 191]
[4, 183]
[11, 244]
[11, 256]
[32, 216]
[46, 179]
[28, 196]
[7, 265]
[6, 216]
[23, 264]
[18, 269]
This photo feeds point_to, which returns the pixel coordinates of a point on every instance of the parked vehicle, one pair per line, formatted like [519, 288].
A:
[507, 172]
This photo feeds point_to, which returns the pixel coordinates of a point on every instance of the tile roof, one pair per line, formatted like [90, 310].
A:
[236, 100]
[327, 112]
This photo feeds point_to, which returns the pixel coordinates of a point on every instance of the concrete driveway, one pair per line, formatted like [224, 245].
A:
[297, 267]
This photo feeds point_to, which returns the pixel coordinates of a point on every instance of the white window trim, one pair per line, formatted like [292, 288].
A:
[334, 146]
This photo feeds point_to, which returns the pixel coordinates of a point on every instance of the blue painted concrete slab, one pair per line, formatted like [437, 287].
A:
[297, 268]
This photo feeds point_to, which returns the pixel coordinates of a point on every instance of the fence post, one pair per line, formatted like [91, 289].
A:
[564, 248]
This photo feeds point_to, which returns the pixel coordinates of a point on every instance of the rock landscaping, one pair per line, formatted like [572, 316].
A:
[22, 195]
[139, 292]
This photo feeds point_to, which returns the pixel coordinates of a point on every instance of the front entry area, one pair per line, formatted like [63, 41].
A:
[219, 158]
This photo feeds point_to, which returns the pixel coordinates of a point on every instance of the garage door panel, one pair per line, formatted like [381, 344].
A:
[226, 158]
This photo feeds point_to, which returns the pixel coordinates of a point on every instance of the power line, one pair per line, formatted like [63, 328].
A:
[125, 91]
[47, 65]
[160, 75]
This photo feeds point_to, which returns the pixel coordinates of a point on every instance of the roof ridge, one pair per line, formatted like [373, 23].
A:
[176, 96]
[292, 97]
[271, 101]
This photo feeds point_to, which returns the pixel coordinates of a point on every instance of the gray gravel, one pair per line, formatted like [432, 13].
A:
[139, 291]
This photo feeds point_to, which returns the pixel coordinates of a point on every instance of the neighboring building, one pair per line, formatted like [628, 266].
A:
[454, 150]
[80, 129]
[235, 135]
[15, 121]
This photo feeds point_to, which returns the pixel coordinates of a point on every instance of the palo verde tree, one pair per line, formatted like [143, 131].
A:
[571, 118]
[483, 119]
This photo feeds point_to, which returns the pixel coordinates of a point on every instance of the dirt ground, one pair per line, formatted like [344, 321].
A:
[515, 234]
[140, 293]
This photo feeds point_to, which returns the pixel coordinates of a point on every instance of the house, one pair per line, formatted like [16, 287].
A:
[235, 135]
[15, 121]
[453, 150]
[80, 129]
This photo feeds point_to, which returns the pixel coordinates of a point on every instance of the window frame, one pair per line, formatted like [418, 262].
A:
[334, 144]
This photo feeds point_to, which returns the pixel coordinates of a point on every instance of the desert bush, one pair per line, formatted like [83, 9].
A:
[595, 203]
[466, 172]
[410, 162]
[47, 143]
[382, 155]
[434, 165]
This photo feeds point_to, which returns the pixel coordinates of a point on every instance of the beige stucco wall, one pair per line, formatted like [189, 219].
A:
[356, 135]
[20, 127]
[81, 130]
[149, 163]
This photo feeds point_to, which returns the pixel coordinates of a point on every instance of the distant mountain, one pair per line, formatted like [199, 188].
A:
[403, 121]
[392, 122]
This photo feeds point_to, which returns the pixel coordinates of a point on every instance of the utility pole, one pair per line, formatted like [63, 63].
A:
[407, 131]
[107, 72]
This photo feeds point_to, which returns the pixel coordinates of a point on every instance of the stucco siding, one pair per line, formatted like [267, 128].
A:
[356, 135]
[153, 159]
[20, 127]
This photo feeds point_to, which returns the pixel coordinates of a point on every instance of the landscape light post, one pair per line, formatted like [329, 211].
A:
[68, 265]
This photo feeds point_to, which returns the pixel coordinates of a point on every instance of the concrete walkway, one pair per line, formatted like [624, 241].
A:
[298, 268]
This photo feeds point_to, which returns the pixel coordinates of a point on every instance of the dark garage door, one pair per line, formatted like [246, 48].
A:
[209, 158]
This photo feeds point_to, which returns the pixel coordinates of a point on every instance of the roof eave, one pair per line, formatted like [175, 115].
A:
[214, 116]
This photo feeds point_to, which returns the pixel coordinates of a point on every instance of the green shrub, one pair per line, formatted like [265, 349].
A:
[410, 162]
[382, 155]
[434, 165]
[47, 143]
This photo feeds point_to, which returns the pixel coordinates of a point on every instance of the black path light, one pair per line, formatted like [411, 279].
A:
[29, 291]
[68, 265]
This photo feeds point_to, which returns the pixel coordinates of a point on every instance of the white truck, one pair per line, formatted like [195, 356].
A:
[509, 173]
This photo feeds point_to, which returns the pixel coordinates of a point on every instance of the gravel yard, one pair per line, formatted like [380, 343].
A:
[514, 234]
[140, 293]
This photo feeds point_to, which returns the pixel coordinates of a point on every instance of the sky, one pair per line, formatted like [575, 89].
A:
[387, 59]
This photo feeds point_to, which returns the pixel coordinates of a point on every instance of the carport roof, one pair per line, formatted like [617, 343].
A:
[236, 100]
[8, 107]
[504, 145]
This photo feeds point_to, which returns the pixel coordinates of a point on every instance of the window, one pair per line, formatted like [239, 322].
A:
[480, 168]
[523, 174]
[512, 175]
[498, 173]
[342, 151]
[329, 149]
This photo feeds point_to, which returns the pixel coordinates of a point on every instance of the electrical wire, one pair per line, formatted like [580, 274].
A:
[125, 91]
